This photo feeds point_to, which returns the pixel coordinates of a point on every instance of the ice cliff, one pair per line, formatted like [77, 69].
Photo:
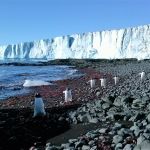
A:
[124, 43]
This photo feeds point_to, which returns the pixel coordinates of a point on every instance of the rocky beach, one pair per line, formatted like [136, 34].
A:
[116, 117]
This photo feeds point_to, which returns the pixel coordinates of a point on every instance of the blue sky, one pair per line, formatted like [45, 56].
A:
[28, 20]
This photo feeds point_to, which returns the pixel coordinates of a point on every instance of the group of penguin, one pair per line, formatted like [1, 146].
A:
[39, 109]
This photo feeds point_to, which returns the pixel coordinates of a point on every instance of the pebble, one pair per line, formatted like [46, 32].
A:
[103, 130]
[128, 147]
[85, 147]
[117, 139]
[118, 146]
[105, 106]
[148, 118]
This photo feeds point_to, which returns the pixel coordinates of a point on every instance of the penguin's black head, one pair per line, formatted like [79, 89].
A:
[37, 95]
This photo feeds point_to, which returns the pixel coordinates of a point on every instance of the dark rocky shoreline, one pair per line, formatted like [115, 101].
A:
[20, 130]
[122, 109]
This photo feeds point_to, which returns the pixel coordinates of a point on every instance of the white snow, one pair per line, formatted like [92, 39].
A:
[30, 83]
[124, 43]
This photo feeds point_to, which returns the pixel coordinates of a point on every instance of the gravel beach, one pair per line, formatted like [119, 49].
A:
[116, 117]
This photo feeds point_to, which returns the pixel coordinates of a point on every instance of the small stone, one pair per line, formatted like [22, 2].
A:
[51, 148]
[148, 127]
[72, 140]
[107, 99]
[91, 143]
[128, 147]
[137, 132]
[144, 122]
[118, 146]
[136, 101]
[93, 120]
[83, 118]
[98, 94]
[48, 144]
[85, 147]
[137, 147]
[146, 135]
[134, 127]
[66, 145]
[105, 105]
[78, 144]
[94, 148]
[91, 135]
[117, 126]
[117, 101]
[145, 145]
[148, 118]
[103, 130]
[98, 103]
[117, 139]
[74, 120]
[121, 132]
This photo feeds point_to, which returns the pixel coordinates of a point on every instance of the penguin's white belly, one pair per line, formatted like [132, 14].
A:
[92, 83]
[68, 96]
[39, 107]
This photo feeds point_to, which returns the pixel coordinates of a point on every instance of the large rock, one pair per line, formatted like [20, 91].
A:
[140, 139]
[145, 145]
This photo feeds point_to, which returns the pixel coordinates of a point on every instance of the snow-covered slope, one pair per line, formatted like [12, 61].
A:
[123, 43]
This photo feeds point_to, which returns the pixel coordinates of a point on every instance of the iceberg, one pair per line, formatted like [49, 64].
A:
[30, 83]
[123, 43]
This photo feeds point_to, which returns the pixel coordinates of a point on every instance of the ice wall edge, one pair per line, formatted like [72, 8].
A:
[124, 43]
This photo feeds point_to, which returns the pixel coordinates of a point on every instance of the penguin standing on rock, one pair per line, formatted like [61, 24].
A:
[38, 106]
[92, 83]
[142, 74]
[68, 95]
[116, 79]
[103, 82]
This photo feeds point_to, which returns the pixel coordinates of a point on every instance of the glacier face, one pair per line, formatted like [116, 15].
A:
[124, 43]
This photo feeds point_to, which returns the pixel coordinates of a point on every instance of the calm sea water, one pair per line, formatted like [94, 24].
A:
[13, 77]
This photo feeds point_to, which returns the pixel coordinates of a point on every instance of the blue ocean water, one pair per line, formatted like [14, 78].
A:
[12, 77]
